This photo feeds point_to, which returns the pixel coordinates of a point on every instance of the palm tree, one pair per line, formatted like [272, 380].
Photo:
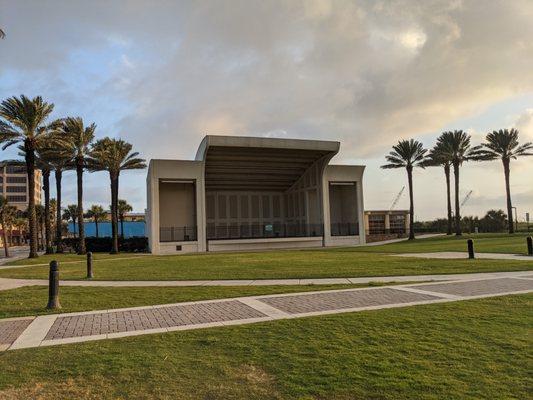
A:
[407, 154]
[71, 213]
[40, 216]
[2, 34]
[114, 156]
[80, 138]
[52, 216]
[503, 144]
[456, 147]
[438, 157]
[60, 161]
[7, 214]
[122, 208]
[25, 122]
[97, 213]
[44, 165]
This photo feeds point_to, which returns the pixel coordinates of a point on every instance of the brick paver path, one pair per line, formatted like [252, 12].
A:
[151, 318]
[10, 330]
[305, 303]
[477, 288]
[69, 328]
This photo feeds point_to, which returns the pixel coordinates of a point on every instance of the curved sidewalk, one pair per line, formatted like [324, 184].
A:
[8, 283]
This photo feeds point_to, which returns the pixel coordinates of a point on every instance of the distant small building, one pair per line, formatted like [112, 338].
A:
[383, 224]
[14, 185]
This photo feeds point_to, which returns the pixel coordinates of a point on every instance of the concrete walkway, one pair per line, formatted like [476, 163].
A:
[48, 330]
[8, 283]
[447, 255]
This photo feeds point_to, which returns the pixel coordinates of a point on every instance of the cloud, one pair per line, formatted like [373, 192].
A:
[366, 73]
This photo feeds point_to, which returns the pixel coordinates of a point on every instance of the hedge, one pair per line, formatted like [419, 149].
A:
[136, 244]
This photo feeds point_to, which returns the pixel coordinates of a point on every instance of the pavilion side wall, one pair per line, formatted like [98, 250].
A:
[343, 174]
[162, 173]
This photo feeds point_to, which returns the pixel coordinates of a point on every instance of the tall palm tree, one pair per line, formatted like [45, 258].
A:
[407, 154]
[39, 214]
[123, 207]
[438, 157]
[114, 156]
[2, 34]
[24, 121]
[97, 213]
[46, 168]
[60, 161]
[7, 215]
[78, 144]
[503, 144]
[71, 213]
[455, 145]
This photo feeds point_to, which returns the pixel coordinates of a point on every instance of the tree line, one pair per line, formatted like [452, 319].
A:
[57, 146]
[452, 150]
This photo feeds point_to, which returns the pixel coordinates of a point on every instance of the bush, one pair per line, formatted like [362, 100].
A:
[136, 244]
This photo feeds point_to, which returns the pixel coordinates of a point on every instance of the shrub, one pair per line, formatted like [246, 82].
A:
[136, 244]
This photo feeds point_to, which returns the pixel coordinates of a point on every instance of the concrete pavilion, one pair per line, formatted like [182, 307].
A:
[244, 193]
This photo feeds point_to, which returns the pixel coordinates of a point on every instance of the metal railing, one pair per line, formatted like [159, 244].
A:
[344, 229]
[275, 230]
[178, 234]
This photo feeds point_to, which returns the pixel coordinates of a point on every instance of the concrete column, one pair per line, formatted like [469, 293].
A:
[387, 222]
[361, 211]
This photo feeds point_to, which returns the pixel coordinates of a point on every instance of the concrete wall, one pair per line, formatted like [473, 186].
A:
[177, 204]
[343, 173]
[161, 172]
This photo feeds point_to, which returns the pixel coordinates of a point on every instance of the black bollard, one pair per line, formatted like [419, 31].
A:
[470, 244]
[529, 241]
[53, 286]
[89, 265]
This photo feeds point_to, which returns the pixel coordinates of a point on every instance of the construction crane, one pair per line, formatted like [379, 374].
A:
[466, 198]
[397, 198]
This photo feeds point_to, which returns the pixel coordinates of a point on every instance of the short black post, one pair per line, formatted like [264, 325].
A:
[53, 286]
[89, 265]
[470, 244]
[529, 240]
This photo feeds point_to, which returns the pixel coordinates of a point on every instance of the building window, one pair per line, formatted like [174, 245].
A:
[16, 189]
[17, 199]
[376, 224]
[397, 223]
[15, 169]
[16, 179]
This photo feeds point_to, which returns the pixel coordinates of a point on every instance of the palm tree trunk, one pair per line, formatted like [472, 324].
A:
[4, 237]
[30, 167]
[457, 206]
[114, 216]
[74, 225]
[96, 226]
[59, 243]
[411, 204]
[448, 198]
[47, 222]
[81, 228]
[507, 172]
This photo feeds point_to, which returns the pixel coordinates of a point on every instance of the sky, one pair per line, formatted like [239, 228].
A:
[163, 74]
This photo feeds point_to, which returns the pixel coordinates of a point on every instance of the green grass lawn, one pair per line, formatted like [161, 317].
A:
[32, 300]
[281, 264]
[463, 350]
[483, 243]
[316, 263]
